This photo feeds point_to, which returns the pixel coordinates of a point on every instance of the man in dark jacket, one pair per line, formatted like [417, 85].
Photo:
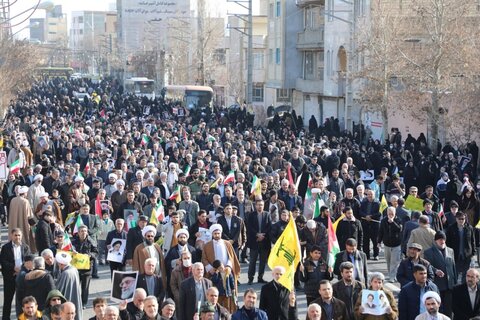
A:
[332, 308]
[356, 257]
[135, 237]
[347, 289]
[11, 268]
[43, 232]
[461, 238]
[390, 234]
[370, 217]
[409, 305]
[248, 310]
[442, 260]
[258, 224]
[233, 228]
[274, 297]
[149, 281]
[212, 299]
[117, 233]
[464, 307]
[349, 227]
[133, 310]
[38, 282]
[405, 269]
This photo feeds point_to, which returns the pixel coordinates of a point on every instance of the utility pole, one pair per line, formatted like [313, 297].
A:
[201, 42]
[247, 31]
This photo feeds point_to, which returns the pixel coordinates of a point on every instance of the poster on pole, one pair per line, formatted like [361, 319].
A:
[3, 166]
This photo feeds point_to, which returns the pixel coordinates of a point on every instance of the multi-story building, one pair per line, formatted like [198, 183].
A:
[52, 29]
[91, 34]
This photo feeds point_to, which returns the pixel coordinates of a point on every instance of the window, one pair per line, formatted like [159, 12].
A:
[313, 17]
[329, 63]
[270, 55]
[220, 56]
[283, 94]
[278, 9]
[277, 56]
[80, 19]
[257, 94]
[270, 10]
[308, 66]
[258, 60]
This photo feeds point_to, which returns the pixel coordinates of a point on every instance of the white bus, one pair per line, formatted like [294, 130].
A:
[141, 87]
[192, 97]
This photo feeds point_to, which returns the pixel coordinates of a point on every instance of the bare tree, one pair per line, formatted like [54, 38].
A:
[377, 42]
[448, 35]
[18, 60]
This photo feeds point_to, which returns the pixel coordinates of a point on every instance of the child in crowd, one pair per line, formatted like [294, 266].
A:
[224, 281]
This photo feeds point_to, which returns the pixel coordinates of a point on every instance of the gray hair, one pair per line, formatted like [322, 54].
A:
[376, 275]
[47, 253]
[394, 198]
[39, 263]
[314, 306]
[112, 309]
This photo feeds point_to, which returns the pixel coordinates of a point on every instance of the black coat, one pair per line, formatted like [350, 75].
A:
[453, 241]
[274, 300]
[252, 230]
[462, 308]
[405, 271]
[361, 257]
[390, 233]
[349, 229]
[340, 292]
[134, 238]
[339, 309]
[38, 283]
[88, 247]
[236, 232]
[447, 265]
[159, 290]
[43, 235]
[7, 259]
[186, 308]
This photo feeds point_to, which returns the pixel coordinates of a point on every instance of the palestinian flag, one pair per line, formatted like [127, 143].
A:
[15, 166]
[145, 140]
[229, 178]
[67, 244]
[78, 224]
[176, 195]
[290, 175]
[187, 170]
[158, 214]
[333, 247]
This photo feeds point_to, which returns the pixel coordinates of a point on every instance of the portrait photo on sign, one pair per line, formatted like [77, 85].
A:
[123, 285]
[374, 302]
[131, 217]
[117, 250]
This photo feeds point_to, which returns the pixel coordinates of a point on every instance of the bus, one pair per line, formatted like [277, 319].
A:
[54, 72]
[141, 87]
[191, 96]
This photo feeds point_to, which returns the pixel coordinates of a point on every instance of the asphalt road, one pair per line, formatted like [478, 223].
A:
[101, 287]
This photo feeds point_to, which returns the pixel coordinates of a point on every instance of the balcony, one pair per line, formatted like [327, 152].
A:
[310, 39]
[303, 3]
[309, 86]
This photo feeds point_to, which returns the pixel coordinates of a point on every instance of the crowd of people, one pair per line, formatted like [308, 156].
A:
[185, 197]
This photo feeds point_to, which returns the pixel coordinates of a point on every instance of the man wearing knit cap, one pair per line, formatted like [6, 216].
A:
[442, 260]
[68, 282]
[167, 309]
[149, 249]
[432, 302]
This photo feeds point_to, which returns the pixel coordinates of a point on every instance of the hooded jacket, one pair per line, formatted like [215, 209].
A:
[38, 283]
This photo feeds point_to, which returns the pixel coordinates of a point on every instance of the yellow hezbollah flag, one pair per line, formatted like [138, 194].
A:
[383, 204]
[286, 253]
[335, 224]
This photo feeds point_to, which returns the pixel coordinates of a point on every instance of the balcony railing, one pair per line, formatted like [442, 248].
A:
[302, 3]
[310, 39]
[309, 86]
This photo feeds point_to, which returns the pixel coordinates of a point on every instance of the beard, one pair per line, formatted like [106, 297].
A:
[148, 242]
[128, 293]
[182, 242]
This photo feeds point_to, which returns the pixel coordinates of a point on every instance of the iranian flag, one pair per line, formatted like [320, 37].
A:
[70, 129]
[158, 214]
[15, 166]
[145, 140]
[187, 170]
[67, 244]
[78, 224]
[229, 178]
[176, 195]
[333, 247]
[318, 205]
[256, 187]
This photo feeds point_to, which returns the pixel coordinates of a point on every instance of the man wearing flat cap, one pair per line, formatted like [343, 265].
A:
[405, 269]
[149, 249]
[442, 259]
[219, 249]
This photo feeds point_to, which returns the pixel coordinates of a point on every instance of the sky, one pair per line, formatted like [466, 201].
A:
[78, 5]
